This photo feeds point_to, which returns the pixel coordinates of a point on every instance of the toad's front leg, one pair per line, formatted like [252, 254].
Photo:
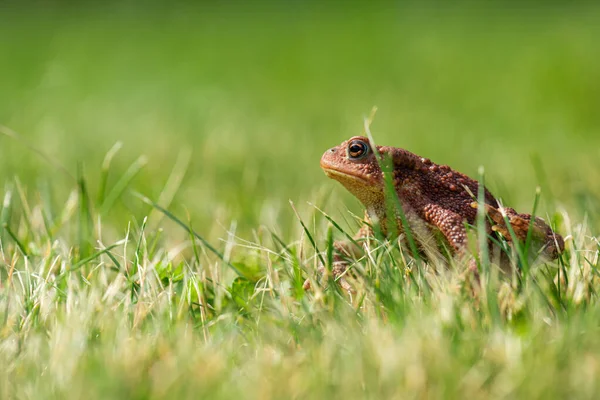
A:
[343, 252]
[449, 223]
[452, 226]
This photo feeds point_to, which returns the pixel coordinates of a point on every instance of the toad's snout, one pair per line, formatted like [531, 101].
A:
[327, 159]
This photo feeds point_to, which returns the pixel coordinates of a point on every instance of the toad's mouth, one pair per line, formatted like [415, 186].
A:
[336, 174]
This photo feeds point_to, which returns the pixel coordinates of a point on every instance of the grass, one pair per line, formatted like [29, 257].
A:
[152, 252]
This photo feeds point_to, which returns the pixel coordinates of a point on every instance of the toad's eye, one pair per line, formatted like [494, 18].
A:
[357, 149]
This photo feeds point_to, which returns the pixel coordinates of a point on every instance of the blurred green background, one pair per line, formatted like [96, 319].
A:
[258, 92]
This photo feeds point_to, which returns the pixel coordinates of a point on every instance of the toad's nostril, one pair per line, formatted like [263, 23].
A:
[332, 150]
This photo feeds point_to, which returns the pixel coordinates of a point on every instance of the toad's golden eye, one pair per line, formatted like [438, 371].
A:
[357, 149]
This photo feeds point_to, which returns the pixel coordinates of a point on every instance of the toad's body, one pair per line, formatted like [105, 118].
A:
[433, 197]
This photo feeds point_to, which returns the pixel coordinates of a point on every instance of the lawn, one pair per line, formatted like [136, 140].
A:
[219, 115]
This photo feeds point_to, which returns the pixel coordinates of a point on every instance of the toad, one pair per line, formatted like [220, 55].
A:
[434, 199]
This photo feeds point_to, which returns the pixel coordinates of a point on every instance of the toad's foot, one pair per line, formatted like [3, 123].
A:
[542, 236]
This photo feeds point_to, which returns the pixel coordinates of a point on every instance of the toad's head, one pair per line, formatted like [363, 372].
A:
[354, 164]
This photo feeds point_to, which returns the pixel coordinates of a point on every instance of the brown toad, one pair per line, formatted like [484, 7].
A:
[434, 198]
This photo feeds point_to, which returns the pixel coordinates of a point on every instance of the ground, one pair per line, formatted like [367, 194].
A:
[220, 115]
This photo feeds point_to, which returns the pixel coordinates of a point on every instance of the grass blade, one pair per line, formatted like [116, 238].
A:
[105, 170]
[122, 184]
[310, 238]
[85, 215]
[189, 230]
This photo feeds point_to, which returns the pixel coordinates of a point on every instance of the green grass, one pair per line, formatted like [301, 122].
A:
[220, 116]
